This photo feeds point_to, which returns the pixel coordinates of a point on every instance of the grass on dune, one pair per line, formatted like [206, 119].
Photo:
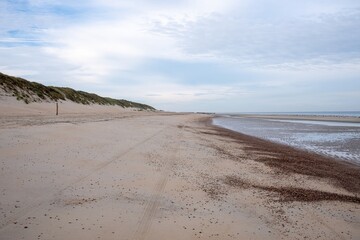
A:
[28, 92]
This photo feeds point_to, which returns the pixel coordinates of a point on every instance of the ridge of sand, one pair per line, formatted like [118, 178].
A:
[9, 106]
[161, 176]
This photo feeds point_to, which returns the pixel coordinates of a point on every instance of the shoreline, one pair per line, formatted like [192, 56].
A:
[299, 161]
[333, 139]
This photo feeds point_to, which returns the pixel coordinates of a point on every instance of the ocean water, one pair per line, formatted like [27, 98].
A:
[334, 139]
[333, 113]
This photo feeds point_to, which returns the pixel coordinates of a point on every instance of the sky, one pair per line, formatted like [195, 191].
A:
[191, 55]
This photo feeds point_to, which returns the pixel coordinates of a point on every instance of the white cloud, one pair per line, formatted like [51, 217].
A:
[164, 95]
[101, 48]
[108, 42]
[118, 43]
[316, 40]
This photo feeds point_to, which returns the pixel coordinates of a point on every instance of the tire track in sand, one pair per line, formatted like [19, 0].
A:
[50, 197]
[152, 206]
[327, 226]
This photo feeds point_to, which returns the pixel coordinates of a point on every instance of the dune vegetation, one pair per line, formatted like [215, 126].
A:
[28, 92]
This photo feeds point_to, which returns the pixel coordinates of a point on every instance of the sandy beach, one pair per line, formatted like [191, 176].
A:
[153, 175]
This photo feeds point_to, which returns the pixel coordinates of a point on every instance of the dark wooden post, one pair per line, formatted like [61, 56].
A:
[57, 108]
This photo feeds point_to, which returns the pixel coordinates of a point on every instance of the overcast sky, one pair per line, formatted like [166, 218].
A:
[191, 55]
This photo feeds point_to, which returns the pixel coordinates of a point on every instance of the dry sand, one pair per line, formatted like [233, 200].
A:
[143, 175]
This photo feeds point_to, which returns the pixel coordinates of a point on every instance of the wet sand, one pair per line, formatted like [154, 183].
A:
[333, 139]
[143, 175]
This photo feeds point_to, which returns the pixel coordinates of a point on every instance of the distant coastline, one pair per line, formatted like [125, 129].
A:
[312, 113]
[350, 117]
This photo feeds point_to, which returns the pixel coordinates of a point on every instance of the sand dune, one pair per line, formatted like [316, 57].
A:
[9, 106]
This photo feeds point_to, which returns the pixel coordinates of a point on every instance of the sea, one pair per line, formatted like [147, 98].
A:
[331, 113]
[340, 140]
